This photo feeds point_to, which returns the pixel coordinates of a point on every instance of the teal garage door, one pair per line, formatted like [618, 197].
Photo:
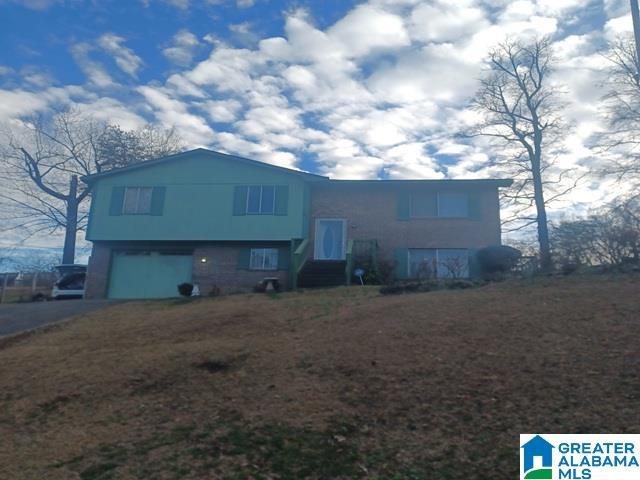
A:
[148, 274]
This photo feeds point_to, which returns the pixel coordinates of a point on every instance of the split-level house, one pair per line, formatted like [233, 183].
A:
[217, 220]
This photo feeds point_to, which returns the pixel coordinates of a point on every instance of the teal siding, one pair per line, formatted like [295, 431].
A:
[148, 275]
[200, 201]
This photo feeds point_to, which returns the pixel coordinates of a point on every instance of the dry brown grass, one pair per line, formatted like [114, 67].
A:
[338, 383]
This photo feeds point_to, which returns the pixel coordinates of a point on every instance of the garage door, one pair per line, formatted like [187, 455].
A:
[148, 274]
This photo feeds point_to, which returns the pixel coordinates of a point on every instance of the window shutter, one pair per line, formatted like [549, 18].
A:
[404, 205]
[283, 258]
[157, 200]
[117, 199]
[282, 199]
[402, 262]
[474, 265]
[475, 207]
[240, 199]
[244, 256]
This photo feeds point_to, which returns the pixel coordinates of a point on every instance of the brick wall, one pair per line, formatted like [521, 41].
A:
[221, 269]
[98, 271]
[371, 213]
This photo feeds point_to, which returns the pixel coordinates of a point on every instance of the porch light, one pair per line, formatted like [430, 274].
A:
[203, 260]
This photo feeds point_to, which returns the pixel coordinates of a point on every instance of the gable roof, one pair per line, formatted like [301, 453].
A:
[180, 156]
[305, 175]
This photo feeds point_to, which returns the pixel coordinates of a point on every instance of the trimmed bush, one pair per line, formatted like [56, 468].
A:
[497, 259]
[185, 289]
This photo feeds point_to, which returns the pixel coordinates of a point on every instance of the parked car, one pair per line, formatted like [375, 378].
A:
[70, 281]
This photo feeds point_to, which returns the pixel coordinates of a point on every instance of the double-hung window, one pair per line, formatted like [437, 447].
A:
[440, 204]
[263, 259]
[453, 205]
[137, 201]
[261, 200]
[438, 263]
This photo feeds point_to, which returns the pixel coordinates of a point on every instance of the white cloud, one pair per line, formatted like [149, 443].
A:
[94, 71]
[380, 92]
[174, 113]
[245, 3]
[124, 57]
[443, 21]
[184, 46]
[225, 111]
[367, 29]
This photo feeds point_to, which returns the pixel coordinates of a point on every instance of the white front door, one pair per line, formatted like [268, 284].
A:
[330, 239]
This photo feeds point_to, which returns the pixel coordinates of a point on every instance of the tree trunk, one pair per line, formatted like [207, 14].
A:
[69, 252]
[543, 230]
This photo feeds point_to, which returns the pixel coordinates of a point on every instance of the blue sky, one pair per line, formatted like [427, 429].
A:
[350, 89]
[44, 33]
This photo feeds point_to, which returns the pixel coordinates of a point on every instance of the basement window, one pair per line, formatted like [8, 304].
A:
[264, 259]
[438, 263]
[137, 201]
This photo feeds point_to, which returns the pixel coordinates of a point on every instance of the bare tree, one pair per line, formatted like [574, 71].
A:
[622, 139]
[520, 115]
[43, 158]
[609, 236]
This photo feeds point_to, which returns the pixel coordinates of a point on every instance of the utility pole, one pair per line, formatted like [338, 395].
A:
[635, 15]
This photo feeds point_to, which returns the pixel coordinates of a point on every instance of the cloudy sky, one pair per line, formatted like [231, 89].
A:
[373, 89]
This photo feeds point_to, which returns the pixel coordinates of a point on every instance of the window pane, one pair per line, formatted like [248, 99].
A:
[422, 263]
[453, 205]
[264, 259]
[253, 200]
[423, 205]
[268, 199]
[271, 259]
[257, 259]
[130, 200]
[144, 200]
[453, 263]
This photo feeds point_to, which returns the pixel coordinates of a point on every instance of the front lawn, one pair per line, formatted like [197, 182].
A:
[327, 384]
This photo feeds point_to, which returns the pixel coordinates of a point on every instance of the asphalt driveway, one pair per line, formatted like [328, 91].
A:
[19, 317]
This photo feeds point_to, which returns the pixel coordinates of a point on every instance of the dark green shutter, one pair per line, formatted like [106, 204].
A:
[157, 200]
[402, 261]
[282, 199]
[117, 199]
[240, 199]
[283, 258]
[475, 205]
[404, 205]
[244, 257]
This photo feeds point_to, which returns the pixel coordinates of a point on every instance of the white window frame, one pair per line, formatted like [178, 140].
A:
[137, 203]
[263, 253]
[466, 194]
[260, 212]
[437, 251]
